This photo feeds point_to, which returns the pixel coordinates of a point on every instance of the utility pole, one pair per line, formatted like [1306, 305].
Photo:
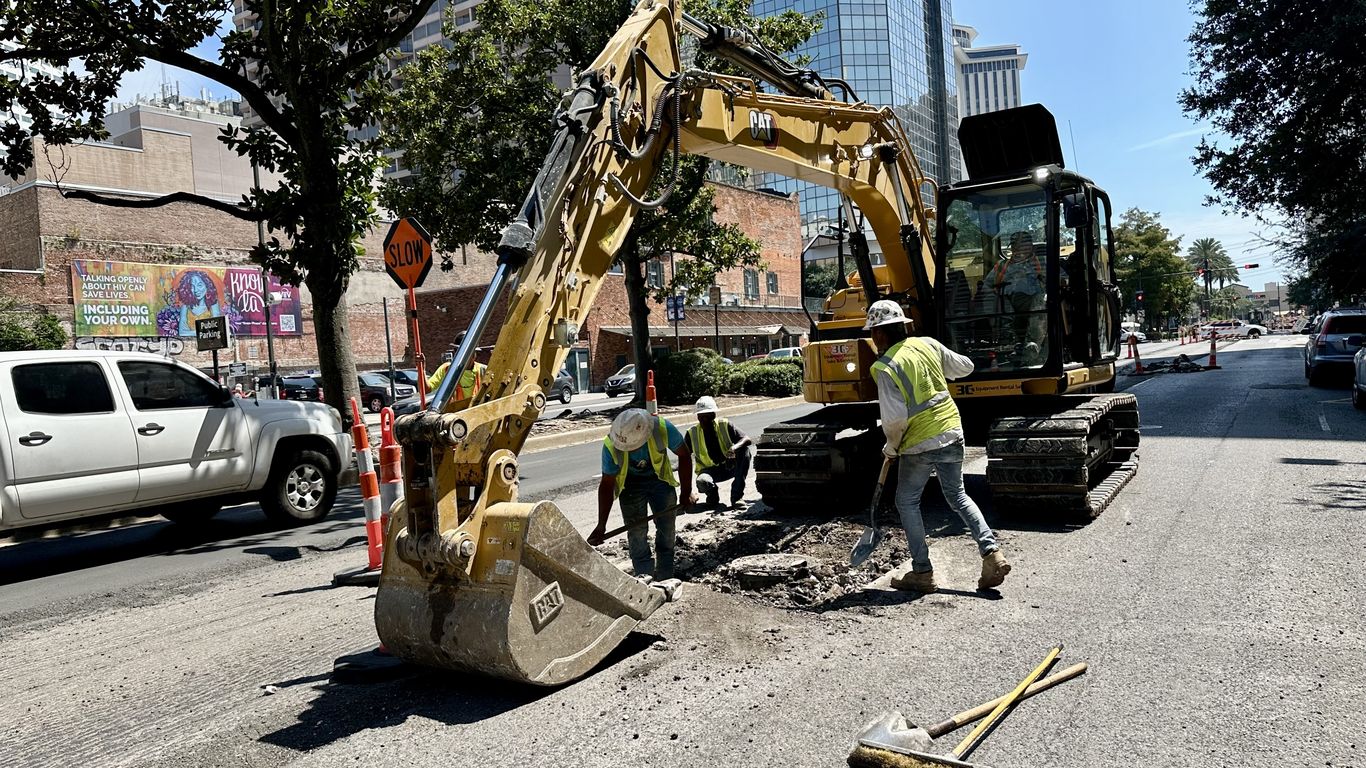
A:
[714, 296]
[1209, 306]
[265, 292]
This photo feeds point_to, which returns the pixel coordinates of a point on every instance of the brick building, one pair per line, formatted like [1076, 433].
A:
[42, 233]
[760, 309]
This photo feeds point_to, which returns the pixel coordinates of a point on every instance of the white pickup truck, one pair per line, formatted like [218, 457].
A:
[89, 433]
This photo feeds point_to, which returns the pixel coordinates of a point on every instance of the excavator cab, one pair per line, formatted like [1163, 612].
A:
[1028, 288]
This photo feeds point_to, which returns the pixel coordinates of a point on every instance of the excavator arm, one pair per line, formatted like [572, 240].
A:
[475, 579]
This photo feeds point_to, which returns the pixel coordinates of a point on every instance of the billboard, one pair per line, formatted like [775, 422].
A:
[119, 298]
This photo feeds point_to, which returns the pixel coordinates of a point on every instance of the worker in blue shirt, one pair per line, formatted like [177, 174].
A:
[636, 470]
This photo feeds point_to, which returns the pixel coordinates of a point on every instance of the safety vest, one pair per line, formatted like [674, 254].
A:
[659, 457]
[999, 275]
[703, 460]
[470, 381]
[916, 369]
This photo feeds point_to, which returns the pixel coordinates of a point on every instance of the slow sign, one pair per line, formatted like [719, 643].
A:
[407, 253]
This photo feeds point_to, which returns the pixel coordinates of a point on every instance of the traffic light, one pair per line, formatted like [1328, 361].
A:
[1251, 266]
[1139, 297]
[1200, 271]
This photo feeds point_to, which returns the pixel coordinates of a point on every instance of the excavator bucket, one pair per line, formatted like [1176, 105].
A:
[538, 604]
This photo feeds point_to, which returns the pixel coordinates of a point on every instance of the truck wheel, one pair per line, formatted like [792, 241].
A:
[376, 404]
[1358, 399]
[191, 512]
[302, 488]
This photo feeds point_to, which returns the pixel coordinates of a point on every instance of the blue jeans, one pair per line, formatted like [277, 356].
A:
[709, 480]
[641, 496]
[913, 473]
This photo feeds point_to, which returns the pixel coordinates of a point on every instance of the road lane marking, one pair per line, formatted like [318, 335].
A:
[1323, 422]
[1135, 386]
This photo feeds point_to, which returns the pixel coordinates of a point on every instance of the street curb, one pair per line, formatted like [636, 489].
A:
[592, 434]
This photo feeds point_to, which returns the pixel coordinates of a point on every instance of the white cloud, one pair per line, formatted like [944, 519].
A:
[1169, 138]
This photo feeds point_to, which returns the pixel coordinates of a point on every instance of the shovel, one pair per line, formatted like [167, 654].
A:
[871, 535]
[889, 742]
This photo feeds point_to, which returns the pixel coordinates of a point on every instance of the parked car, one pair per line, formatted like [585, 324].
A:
[1250, 330]
[1359, 380]
[1220, 327]
[374, 391]
[402, 376]
[562, 388]
[301, 387]
[621, 382]
[90, 433]
[1334, 340]
[760, 356]
[783, 353]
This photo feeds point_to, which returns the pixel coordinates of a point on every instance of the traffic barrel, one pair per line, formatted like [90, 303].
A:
[1213, 348]
[1129, 351]
[367, 575]
[1138, 359]
[651, 403]
[390, 467]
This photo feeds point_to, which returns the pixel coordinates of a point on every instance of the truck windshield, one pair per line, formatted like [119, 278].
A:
[995, 273]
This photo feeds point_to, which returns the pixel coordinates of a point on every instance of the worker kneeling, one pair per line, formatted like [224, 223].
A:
[722, 453]
[924, 432]
[636, 470]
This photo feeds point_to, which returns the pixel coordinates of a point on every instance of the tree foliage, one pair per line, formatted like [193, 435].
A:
[1209, 253]
[476, 119]
[317, 71]
[22, 330]
[818, 279]
[1282, 79]
[1150, 255]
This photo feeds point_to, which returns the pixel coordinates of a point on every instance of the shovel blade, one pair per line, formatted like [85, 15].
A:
[863, 549]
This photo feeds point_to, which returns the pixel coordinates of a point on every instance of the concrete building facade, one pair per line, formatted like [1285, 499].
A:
[988, 76]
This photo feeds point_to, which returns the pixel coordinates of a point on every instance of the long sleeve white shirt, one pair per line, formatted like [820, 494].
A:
[893, 406]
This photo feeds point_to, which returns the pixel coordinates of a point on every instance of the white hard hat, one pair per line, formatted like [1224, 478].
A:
[630, 429]
[706, 404]
[884, 312]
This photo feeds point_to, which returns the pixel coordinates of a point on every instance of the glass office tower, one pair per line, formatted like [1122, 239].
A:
[897, 53]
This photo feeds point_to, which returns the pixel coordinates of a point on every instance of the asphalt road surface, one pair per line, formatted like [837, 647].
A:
[1217, 602]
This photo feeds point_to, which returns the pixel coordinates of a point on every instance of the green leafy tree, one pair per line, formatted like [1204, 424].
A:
[1281, 79]
[316, 71]
[475, 120]
[21, 330]
[818, 279]
[1149, 259]
[1208, 251]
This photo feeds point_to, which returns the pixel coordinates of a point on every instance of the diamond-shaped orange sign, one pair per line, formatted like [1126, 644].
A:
[407, 253]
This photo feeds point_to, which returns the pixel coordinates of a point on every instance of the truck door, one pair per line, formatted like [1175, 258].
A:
[191, 439]
[71, 444]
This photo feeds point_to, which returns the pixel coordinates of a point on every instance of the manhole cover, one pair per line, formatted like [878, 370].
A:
[765, 570]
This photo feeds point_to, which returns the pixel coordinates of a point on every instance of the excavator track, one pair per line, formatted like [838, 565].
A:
[1069, 460]
[830, 455]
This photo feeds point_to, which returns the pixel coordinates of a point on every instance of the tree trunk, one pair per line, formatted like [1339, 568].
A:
[335, 357]
[638, 303]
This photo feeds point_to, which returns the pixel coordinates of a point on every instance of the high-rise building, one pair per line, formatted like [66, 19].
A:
[989, 76]
[22, 70]
[896, 53]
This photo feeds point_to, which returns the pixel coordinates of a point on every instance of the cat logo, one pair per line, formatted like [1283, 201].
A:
[761, 128]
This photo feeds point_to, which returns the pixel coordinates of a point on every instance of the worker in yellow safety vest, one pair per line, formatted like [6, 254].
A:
[636, 470]
[924, 433]
[471, 380]
[720, 452]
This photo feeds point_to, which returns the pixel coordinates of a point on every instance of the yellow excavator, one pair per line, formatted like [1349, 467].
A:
[475, 578]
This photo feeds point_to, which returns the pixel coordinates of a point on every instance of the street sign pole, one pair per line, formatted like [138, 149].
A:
[418, 358]
[265, 290]
[408, 259]
[389, 350]
[215, 367]
[714, 296]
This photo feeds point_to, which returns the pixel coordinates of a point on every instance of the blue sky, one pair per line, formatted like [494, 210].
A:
[1114, 70]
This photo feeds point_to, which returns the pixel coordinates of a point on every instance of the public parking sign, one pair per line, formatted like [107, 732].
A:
[407, 253]
[673, 308]
[211, 333]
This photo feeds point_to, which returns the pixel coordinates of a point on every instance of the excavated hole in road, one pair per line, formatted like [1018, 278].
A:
[788, 562]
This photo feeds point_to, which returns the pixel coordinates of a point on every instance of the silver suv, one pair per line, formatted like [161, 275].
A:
[1334, 339]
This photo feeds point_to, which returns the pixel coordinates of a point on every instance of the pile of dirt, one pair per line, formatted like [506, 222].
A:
[797, 563]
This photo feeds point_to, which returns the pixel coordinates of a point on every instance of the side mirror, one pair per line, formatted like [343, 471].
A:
[225, 396]
[1076, 214]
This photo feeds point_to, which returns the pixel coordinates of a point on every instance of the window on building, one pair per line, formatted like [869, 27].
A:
[654, 273]
[751, 284]
[772, 282]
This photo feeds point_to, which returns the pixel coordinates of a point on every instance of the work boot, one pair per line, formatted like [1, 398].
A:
[714, 500]
[916, 581]
[994, 570]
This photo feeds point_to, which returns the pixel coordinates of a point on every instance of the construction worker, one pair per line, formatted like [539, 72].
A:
[472, 378]
[1021, 287]
[721, 452]
[924, 433]
[636, 470]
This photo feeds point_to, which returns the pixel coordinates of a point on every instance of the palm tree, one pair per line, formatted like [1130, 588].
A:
[1209, 251]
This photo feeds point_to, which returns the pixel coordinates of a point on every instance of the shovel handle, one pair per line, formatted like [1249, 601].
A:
[1003, 707]
[624, 528]
[982, 710]
[886, 465]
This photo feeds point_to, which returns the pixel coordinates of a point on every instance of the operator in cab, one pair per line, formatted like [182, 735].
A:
[721, 452]
[636, 470]
[1021, 287]
[471, 379]
[924, 432]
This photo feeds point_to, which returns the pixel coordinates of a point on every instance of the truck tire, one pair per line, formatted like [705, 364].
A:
[301, 489]
[190, 513]
[376, 404]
